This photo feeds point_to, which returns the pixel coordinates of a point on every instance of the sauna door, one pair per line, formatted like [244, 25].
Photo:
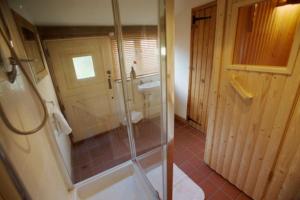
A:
[203, 35]
[82, 68]
[258, 83]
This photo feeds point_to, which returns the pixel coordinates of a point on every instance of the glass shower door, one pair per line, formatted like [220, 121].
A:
[139, 50]
[108, 68]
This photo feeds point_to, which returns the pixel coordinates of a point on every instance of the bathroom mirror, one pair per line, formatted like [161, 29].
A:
[32, 47]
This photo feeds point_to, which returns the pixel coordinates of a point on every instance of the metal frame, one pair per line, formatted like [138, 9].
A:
[166, 137]
[13, 175]
[119, 36]
[163, 81]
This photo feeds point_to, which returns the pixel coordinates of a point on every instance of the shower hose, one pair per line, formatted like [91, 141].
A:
[8, 41]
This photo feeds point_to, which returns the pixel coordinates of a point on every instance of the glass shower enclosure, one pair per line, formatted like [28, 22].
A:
[144, 89]
[107, 61]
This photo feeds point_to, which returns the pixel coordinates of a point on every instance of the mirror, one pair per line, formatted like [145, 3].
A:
[32, 47]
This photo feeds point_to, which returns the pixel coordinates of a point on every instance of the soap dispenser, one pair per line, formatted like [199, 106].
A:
[132, 72]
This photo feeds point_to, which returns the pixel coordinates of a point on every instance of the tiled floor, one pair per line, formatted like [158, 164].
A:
[101, 152]
[188, 155]
[104, 151]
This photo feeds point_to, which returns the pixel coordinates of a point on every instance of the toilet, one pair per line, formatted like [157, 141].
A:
[136, 117]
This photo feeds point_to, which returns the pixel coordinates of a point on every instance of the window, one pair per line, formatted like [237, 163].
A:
[265, 33]
[84, 67]
[140, 46]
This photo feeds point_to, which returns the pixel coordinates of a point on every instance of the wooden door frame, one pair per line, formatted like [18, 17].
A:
[48, 33]
[195, 9]
[51, 68]
[215, 76]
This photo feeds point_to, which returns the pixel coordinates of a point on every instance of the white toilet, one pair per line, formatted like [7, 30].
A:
[136, 117]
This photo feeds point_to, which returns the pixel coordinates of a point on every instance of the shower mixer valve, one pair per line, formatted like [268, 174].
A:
[9, 66]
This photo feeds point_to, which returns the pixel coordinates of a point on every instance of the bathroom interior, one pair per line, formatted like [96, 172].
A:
[150, 99]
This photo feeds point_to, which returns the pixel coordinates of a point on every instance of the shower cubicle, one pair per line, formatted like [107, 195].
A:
[107, 61]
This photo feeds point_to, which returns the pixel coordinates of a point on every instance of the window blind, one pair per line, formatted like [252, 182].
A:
[141, 46]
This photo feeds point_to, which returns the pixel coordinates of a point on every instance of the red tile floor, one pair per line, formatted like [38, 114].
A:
[188, 156]
[104, 151]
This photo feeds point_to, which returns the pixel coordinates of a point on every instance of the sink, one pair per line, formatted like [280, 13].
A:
[149, 86]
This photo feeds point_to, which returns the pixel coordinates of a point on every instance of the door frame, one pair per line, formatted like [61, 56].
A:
[195, 9]
[51, 67]
[54, 75]
[215, 76]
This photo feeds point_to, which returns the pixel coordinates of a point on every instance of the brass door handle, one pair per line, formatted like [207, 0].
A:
[108, 72]
[109, 83]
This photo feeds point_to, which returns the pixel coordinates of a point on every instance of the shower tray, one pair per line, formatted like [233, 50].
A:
[118, 183]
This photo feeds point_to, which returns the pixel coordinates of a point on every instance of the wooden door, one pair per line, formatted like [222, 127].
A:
[203, 34]
[256, 92]
[82, 69]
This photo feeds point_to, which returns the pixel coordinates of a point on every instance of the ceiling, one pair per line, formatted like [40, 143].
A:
[86, 12]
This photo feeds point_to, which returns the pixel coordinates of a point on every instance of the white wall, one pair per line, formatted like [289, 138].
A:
[183, 9]
[31, 155]
[63, 142]
[47, 91]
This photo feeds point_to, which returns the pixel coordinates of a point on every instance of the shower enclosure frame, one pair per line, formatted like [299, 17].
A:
[165, 44]
[165, 27]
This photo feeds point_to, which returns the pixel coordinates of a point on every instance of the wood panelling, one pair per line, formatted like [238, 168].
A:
[265, 33]
[215, 77]
[244, 136]
[169, 29]
[203, 35]
[60, 32]
[285, 183]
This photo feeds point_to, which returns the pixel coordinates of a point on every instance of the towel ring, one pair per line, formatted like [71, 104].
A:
[10, 126]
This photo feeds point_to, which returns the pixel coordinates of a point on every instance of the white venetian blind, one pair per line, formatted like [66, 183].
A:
[140, 45]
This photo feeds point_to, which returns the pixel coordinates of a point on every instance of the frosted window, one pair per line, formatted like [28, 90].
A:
[84, 67]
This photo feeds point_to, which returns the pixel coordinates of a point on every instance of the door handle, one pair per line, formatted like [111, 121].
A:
[108, 72]
[109, 83]
[246, 95]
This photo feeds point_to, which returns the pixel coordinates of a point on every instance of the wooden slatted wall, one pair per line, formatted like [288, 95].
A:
[265, 34]
[285, 183]
[203, 34]
[245, 136]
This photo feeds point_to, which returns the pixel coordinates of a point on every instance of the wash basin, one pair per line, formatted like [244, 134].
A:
[149, 86]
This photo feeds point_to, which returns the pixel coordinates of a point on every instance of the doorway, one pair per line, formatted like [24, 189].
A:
[83, 71]
[202, 48]
[91, 87]
[84, 76]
